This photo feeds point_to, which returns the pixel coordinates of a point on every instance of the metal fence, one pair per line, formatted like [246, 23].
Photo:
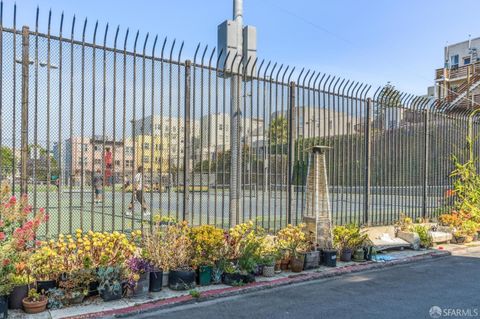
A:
[77, 113]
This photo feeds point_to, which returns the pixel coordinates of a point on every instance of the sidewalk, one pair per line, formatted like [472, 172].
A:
[95, 307]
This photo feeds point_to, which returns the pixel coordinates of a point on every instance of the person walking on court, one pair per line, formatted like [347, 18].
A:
[138, 190]
[98, 185]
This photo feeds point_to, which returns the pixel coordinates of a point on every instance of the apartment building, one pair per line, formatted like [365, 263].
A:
[99, 153]
[458, 82]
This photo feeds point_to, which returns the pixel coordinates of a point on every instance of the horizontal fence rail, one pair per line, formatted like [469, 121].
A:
[115, 135]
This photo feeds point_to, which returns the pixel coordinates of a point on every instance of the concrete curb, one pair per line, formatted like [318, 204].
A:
[257, 286]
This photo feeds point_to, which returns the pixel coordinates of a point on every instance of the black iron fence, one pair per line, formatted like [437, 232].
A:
[79, 117]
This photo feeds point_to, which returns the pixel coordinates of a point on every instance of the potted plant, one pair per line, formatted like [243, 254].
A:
[208, 244]
[138, 270]
[34, 302]
[347, 239]
[20, 287]
[46, 265]
[178, 246]
[269, 255]
[426, 240]
[293, 241]
[110, 283]
[75, 286]
[155, 248]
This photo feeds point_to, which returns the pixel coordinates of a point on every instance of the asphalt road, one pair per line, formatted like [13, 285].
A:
[406, 291]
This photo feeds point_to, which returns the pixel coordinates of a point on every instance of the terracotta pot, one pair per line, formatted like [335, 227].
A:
[34, 307]
[297, 263]
[284, 263]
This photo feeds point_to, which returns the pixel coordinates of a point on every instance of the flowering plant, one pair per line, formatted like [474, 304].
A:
[94, 249]
[208, 244]
[137, 266]
[169, 246]
[292, 240]
[46, 264]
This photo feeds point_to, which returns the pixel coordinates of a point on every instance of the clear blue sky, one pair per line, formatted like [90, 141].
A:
[372, 41]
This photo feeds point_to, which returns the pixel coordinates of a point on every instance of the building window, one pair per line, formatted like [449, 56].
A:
[466, 61]
[454, 61]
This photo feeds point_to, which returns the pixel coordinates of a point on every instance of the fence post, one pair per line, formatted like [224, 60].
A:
[368, 148]
[291, 148]
[24, 124]
[425, 173]
[186, 143]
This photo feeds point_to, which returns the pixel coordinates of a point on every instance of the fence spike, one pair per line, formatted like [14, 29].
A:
[95, 33]
[180, 52]
[245, 68]
[271, 72]
[260, 68]
[116, 37]
[290, 75]
[163, 47]
[105, 36]
[211, 57]
[154, 46]
[125, 41]
[15, 16]
[300, 75]
[49, 18]
[278, 72]
[219, 56]
[285, 73]
[233, 62]
[84, 30]
[1, 13]
[36, 19]
[145, 43]
[310, 79]
[171, 49]
[316, 79]
[73, 27]
[253, 66]
[305, 77]
[375, 95]
[204, 52]
[225, 62]
[266, 69]
[335, 85]
[196, 52]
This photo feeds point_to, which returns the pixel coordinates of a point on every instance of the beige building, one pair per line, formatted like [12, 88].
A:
[458, 82]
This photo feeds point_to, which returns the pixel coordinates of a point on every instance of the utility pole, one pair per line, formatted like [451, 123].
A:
[236, 45]
[235, 176]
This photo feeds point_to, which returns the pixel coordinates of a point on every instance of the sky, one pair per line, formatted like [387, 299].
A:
[374, 41]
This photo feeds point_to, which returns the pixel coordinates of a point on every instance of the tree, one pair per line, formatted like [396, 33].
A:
[42, 163]
[278, 131]
[7, 160]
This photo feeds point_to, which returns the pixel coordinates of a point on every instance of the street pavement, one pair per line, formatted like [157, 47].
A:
[438, 288]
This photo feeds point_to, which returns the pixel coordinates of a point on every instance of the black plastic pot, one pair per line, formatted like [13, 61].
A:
[320, 257]
[16, 296]
[330, 257]
[235, 279]
[311, 260]
[93, 289]
[181, 279]
[3, 307]
[258, 270]
[346, 255]
[110, 295]
[45, 285]
[156, 281]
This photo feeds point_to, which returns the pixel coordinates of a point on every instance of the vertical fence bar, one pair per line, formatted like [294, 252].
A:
[49, 173]
[1, 90]
[186, 143]
[291, 149]
[60, 135]
[426, 166]
[24, 123]
[368, 147]
[72, 145]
